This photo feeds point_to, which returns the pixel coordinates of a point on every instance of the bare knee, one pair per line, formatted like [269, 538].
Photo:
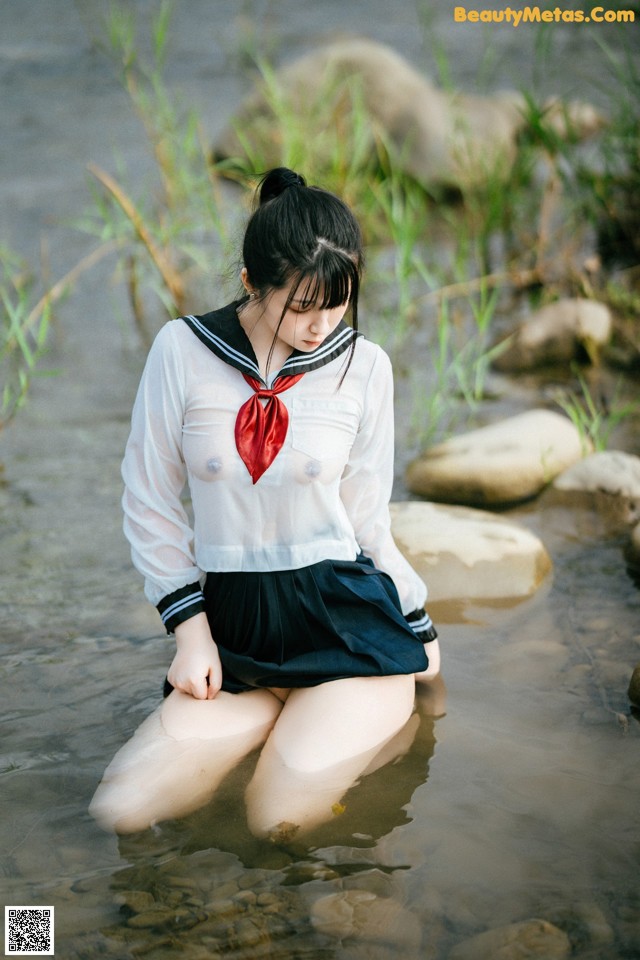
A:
[116, 810]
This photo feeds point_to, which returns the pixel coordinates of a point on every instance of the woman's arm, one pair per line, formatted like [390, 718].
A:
[156, 522]
[366, 490]
[154, 474]
[367, 482]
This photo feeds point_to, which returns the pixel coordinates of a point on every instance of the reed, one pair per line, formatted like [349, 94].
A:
[519, 230]
[23, 334]
[173, 237]
[594, 415]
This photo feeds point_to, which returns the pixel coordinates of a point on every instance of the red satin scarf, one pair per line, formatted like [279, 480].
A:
[260, 429]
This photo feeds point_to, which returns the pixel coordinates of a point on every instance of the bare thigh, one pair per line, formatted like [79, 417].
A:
[179, 755]
[324, 738]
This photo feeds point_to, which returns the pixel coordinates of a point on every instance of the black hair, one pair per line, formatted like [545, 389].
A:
[306, 237]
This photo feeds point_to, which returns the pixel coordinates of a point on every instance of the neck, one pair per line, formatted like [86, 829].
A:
[271, 353]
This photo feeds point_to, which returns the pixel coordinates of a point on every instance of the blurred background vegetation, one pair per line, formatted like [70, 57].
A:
[447, 270]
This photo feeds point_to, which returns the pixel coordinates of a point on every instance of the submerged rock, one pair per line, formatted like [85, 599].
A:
[361, 914]
[502, 463]
[440, 136]
[557, 333]
[469, 554]
[518, 941]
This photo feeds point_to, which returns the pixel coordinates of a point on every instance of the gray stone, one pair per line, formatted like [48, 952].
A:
[441, 136]
[557, 333]
[463, 553]
[501, 463]
[518, 941]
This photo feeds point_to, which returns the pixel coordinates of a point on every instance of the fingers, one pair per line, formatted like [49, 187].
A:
[197, 688]
[214, 682]
[196, 671]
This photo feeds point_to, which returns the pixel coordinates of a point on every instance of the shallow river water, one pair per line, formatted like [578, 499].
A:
[519, 795]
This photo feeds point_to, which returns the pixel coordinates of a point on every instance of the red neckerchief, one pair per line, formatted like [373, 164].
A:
[260, 429]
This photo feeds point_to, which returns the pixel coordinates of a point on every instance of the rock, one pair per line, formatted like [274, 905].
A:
[502, 463]
[441, 137]
[157, 917]
[469, 554]
[558, 333]
[634, 686]
[609, 472]
[361, 914]
[138, 901]
[609, 482]
[518, 941]
[586, 925]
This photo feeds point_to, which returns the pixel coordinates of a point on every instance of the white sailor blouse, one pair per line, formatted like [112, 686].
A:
[325, 495]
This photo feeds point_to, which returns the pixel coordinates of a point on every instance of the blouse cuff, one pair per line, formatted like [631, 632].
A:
[181, 605]
[422, 625]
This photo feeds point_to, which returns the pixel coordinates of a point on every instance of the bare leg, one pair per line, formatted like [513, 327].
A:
[432, 650]
[324, 739]
[177, 758]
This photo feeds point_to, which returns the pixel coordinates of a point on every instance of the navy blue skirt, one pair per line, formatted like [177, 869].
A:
[298, 628]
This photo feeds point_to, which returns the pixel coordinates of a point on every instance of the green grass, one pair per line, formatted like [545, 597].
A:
[24, 327]
[595, 415]
[440, 272]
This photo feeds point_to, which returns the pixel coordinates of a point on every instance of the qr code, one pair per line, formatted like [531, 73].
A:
[28, 931]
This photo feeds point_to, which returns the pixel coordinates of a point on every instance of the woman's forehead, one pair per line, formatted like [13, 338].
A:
[312, 289]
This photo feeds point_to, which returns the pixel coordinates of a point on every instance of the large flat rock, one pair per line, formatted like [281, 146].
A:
[505, 462]
[557, 333]
[465, 554]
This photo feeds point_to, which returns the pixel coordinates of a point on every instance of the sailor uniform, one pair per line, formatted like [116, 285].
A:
[289, 549]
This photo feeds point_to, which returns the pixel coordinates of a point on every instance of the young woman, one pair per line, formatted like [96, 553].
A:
[298, 622]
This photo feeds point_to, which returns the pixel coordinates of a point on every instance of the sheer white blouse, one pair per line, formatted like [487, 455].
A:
[325, 496]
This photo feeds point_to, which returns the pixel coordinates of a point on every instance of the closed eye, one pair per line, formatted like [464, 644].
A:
[303, 308]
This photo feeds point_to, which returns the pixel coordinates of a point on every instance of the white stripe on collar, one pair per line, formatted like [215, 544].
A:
[323, 351]
[224, 347]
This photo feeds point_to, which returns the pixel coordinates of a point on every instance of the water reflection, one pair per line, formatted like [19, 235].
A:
[205, 882]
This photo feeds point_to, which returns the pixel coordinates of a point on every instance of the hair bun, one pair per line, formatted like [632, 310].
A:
[277, 181]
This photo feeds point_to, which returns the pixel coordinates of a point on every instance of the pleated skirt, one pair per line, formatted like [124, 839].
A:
[299, 628]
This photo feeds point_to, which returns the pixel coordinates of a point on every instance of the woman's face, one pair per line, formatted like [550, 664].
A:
[305, 325]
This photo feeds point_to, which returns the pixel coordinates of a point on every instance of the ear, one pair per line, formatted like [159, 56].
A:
[244, 276]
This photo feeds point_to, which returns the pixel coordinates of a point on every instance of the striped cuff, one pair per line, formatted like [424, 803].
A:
[181, 605]
[422, 625]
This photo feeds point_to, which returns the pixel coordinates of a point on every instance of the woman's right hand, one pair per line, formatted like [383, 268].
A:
[196, 667]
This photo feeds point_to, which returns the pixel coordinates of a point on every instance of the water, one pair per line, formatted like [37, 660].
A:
[518, 797]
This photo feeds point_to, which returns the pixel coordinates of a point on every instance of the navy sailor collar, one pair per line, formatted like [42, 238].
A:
[221, 331]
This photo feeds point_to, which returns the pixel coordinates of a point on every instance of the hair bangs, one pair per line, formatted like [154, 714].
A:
[331, 282]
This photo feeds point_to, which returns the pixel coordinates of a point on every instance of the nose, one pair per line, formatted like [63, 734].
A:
[320, 322]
